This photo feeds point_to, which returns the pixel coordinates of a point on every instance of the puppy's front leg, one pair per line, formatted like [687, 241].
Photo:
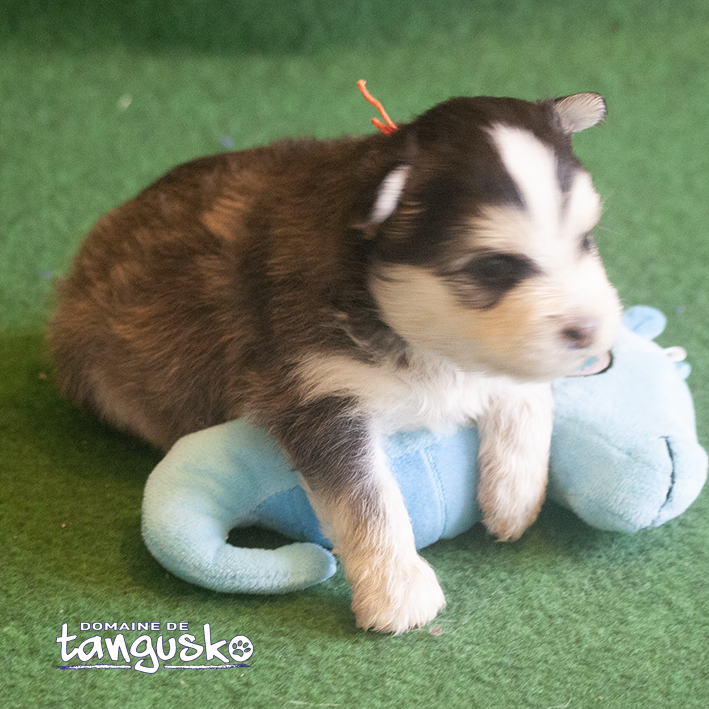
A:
[362, 512]
[513, 461]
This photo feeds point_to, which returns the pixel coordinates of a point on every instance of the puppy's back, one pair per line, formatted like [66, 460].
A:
[184, 303]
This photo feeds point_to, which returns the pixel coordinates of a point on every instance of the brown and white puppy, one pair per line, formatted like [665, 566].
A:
[338, 291]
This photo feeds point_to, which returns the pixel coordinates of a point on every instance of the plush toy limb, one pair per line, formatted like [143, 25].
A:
[209, 483]
[233, 475]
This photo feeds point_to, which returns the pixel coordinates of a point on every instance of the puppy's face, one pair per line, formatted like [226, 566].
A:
[485, 253]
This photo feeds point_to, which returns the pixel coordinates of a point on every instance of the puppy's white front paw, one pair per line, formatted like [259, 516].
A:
[507, 514]
[394, 598]
[513, 462]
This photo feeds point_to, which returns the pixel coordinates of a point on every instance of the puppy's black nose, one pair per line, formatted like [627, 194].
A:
[580, 334]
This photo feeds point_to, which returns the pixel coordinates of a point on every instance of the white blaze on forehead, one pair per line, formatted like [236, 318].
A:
[549, 218]
[533, 168]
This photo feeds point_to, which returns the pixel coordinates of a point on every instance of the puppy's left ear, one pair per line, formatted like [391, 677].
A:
[388, 195]
[580, 111]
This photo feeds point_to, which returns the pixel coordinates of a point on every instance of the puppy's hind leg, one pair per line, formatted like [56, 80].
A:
[362, 512]
[513, 460]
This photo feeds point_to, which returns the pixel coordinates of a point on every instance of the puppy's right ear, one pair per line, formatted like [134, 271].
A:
[580, 111]
[388, 195]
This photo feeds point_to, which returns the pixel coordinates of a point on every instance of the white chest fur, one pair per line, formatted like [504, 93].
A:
[427, 393]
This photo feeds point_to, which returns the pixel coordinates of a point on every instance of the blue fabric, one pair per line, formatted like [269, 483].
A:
[624, 457]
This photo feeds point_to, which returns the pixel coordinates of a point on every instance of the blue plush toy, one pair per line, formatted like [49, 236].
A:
[624, 457]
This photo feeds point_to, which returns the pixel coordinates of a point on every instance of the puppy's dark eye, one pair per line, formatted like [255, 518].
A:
[500, 271]
[485, 280]
[493, 268]
[587, 242]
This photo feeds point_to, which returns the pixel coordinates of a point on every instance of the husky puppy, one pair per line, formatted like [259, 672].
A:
[339, 291]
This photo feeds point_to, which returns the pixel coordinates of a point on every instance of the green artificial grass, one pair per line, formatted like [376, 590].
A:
[97, 100]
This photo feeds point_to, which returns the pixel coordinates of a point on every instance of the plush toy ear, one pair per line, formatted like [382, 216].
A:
[389, 194]
[580, 111]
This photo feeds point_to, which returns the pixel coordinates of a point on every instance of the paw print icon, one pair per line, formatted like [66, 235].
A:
[241, 648]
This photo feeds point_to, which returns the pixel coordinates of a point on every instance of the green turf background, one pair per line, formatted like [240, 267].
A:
[98, 99]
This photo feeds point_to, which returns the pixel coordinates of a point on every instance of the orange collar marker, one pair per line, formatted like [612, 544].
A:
[388, 126]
